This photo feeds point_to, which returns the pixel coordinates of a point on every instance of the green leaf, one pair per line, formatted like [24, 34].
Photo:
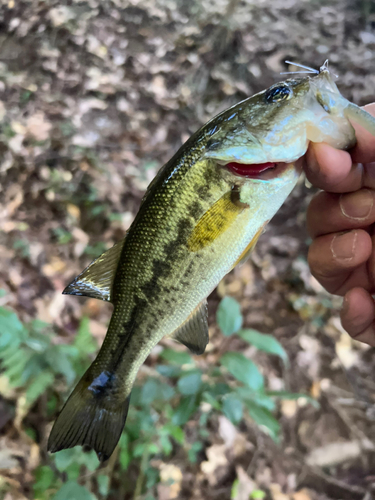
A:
[166, 445]
[84, 341]
[103, 484]
[232, 408]
[263, 342]
[11, 328]
[176, 357]
[210, 399]
[125, 457]
[64, 458]
[194, 450]
[71, 490]
[259, 398]
[76, 456]
[149, 391]
[60, 363]
[155, 390]
[258, 495]
[39, 326]
[168, 371]
[176, 432]
[44, 477]
[184, 411]
[265, 420]
[219, 389]
[243, 369]
[38, 386]
[228, 316]
[234, 490]
[190, 383]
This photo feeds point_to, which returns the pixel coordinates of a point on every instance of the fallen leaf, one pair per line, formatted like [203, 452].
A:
[276, 492]
[227, 431]
[338, 453]
[245, 485]
[302, 495]
[216, 459]
[38, 127]
[171, 478]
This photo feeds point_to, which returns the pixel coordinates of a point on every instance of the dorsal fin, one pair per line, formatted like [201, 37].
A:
[194, 330]
[97, 279]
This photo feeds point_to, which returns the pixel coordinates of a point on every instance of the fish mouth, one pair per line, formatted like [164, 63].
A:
[263, 171]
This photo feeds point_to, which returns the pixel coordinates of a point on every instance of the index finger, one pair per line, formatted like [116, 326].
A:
[332, 170]
[364, 150]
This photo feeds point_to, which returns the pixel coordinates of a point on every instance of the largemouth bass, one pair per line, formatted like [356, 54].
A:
[200, 217]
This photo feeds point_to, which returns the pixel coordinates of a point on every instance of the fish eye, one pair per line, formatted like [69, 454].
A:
[276, 94]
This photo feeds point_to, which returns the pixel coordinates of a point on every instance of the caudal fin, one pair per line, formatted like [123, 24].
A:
[89, 419]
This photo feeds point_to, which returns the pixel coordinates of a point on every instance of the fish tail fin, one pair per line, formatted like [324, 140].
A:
[90, 418]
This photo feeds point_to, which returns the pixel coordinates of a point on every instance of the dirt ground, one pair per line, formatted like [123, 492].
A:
[95, 97]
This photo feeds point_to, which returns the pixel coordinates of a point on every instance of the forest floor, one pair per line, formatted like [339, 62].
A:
[95, 98]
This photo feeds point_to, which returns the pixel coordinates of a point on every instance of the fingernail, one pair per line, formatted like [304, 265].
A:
[312, 164]
[357, 205]
[345, 305]
[343, 245]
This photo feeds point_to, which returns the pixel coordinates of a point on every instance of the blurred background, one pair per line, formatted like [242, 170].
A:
[95, 97]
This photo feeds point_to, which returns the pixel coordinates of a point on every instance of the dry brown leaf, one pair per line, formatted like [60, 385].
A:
[245, 485]
[216, 460]
[55, 267]
[171, 478]
[227, 431]
[38, 126]
[338, 453]
[303, 494]
[276, 492]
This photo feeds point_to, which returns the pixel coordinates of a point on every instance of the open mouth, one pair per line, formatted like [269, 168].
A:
[253, 171]
[263, 171]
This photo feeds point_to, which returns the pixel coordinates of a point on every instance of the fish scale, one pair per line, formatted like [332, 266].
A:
[200, 216]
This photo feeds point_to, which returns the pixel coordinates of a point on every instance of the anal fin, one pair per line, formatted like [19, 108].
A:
[193, 332]
[97, 279]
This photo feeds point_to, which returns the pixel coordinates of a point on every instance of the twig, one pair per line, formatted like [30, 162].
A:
[139, 483]
[318, 481]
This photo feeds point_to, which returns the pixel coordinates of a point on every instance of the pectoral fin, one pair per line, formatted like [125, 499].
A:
[216, 221]
[250, 247]
[97, 279]
[193, 332]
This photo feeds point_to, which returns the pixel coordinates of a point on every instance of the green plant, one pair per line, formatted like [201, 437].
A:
[33, 363]
[22, 248]
[30, 359]
[249, 393]
[63, 237]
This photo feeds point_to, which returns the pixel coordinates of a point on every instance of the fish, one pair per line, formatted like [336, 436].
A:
[200, 217]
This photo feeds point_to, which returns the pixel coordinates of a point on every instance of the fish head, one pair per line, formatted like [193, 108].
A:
[277, 124]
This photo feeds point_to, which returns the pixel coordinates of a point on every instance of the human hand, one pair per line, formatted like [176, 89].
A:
[340, 221]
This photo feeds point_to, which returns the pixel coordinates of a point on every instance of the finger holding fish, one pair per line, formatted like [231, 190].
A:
[358, 315]
[338, 171]
[339, 261]
[330, 214]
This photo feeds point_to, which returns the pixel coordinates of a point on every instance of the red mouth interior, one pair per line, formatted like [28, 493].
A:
[250, 170]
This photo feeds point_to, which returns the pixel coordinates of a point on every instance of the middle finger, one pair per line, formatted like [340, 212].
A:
[330, 212]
